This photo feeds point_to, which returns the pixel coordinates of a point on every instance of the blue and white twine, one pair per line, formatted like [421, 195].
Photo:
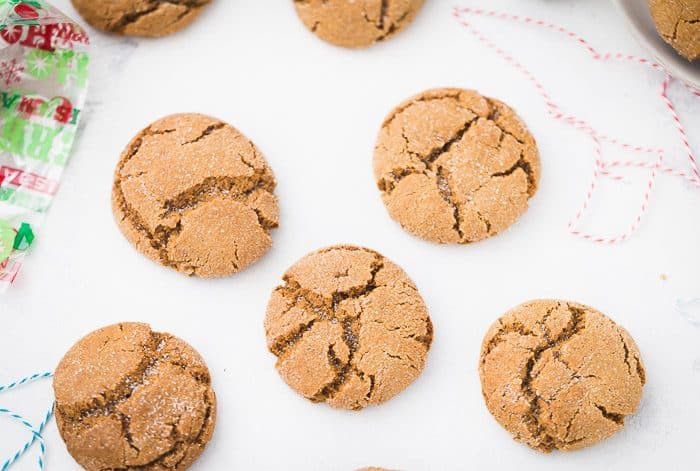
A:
[36, 431]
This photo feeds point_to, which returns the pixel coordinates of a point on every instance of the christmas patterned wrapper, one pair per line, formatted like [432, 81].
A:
[43, 82]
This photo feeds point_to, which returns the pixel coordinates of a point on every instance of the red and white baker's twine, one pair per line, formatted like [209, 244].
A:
[601, 168]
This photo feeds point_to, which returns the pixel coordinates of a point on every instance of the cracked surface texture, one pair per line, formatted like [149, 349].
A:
[150, 18]
[128, 398]
[454, 166]
[194, 194]
[356, 23]
[560, 375]
[678, 22]
[348, 327]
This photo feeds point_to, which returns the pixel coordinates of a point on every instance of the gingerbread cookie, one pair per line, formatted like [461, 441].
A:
[150, 18]
[454, 166]
[678, 23]
[130, 398]
[348, 327]
[560, 375]
[355, 24]
[193, 193]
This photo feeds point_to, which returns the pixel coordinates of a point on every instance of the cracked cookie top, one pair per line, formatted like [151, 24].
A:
[356, 23]
[348, 327]
[454, 166]
[560, 375]
[678, 23]
[150, 18]
[129, 398]
[194, 194]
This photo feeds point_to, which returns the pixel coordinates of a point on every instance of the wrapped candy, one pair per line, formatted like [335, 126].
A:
[43, 82]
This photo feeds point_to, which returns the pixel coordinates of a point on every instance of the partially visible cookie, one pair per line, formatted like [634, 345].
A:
[150, 18]
[454, 166]
[678, 23]
[193, 193]
[356, 23]
[560, 375]
[130, 398]
[348, 327]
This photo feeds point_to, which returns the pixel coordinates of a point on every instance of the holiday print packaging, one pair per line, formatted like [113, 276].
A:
[43, 82]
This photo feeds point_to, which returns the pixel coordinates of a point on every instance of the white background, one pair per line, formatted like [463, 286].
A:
[314, 110]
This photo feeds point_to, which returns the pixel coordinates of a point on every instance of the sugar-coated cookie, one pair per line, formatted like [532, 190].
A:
[454, 166]
[560, 375]
[356, 23]
[194, 194]
[130, 398]
[678, 23]
[348, 327]
[150, 18]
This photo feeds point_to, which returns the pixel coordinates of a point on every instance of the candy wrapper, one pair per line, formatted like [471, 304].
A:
[43, 82]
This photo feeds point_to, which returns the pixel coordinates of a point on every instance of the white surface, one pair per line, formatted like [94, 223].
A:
[314, 110]
[642, 25]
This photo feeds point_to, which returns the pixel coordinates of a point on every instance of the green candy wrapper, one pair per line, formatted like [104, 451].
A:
[43, 83]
